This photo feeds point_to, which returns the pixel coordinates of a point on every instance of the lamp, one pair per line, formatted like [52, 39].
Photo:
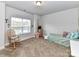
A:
[38, 3]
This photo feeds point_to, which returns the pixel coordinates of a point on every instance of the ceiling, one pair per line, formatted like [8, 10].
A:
[46, 8]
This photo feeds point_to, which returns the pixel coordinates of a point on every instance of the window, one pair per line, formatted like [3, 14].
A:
[21, 26]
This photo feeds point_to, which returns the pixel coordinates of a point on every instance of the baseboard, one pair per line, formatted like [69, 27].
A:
[6, 44]
[22, 39]
[27, 38]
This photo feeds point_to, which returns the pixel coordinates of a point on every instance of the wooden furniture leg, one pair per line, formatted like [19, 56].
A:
[14, 45]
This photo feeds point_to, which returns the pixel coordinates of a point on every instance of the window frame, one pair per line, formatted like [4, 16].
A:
[22, 25]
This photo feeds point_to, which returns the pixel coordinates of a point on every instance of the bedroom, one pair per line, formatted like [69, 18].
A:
[56, 18]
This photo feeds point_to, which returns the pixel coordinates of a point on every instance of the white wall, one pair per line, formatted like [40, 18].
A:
[2, 24]
[59, 22]
[18, 13]
[39, 20]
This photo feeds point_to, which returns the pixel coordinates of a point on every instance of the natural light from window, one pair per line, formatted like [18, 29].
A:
[20, 25]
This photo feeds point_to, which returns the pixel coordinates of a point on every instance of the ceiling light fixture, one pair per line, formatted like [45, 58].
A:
[38, 3]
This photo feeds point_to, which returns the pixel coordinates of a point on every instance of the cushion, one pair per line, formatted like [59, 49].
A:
[73, 35]
[65, 34]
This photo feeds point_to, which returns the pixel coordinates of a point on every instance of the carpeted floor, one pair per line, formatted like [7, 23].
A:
[37, 48]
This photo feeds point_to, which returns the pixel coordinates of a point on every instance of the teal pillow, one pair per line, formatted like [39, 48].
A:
[76, 35]
[73, 35]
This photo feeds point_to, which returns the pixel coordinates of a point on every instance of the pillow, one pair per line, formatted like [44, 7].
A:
[65, 34]
[73, 35]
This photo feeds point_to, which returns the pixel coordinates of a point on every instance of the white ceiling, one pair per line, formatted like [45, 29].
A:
[46, 8]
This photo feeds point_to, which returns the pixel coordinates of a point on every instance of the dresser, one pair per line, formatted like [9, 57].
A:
[74, 44]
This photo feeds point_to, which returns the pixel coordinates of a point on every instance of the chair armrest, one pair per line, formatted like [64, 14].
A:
[14, 37]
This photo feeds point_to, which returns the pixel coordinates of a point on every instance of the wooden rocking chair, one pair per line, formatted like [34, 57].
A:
[13, 38]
